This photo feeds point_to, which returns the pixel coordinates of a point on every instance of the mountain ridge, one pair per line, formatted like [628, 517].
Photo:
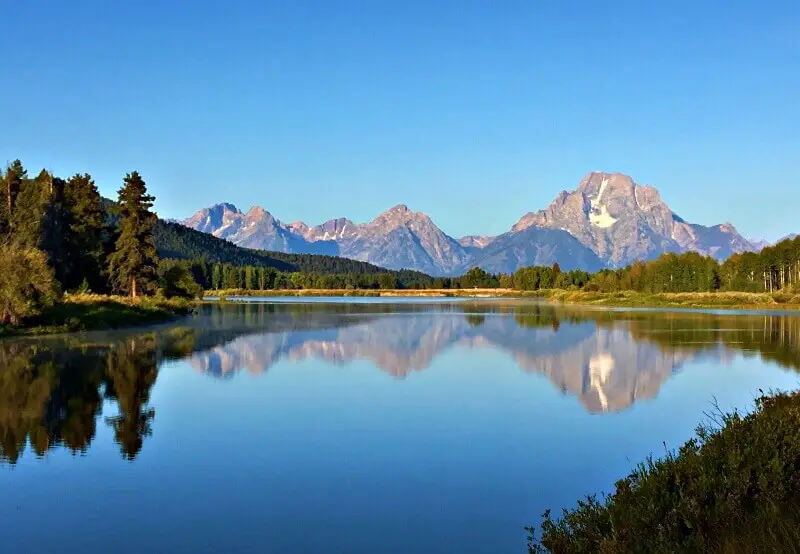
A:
[608, 221]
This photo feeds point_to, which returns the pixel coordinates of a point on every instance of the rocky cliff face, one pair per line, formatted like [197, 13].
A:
[623, 222]
[608, 221]
[535, 246]
[397, 239]
[400, 238]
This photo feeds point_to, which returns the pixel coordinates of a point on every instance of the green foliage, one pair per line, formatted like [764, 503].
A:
[733, 479]
[773, 269]
[540, 277]
[28, 210]
[12, 182]
[62, 219]
[27, 284]
[478, 278]
[85, 312]
[87, 233]
[175, 279]
[132, 266]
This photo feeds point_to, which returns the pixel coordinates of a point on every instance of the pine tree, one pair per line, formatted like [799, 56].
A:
[86, 232]
[54, 231]
[132, 266]
[12, 181]
[249, 278]
[30, 199]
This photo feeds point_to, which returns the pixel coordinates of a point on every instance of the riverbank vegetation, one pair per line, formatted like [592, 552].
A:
[55, 237]
[85, 312]
[633, 299]
[774, 273]
[733, 488]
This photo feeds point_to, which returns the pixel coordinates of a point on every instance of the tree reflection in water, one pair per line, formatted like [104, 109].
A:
[53, 391]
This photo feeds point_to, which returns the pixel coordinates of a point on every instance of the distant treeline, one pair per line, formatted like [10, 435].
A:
[219, 276]
[774, 269]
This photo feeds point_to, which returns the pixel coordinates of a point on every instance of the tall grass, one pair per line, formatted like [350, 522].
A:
[85, 312]
[735, 487]
[672, 300]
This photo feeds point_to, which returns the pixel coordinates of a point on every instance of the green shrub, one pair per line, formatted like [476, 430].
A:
[732, 488]
[782, 298]
[27, 284]
[175, 280]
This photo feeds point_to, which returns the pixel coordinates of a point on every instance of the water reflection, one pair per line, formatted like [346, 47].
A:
[52, 392]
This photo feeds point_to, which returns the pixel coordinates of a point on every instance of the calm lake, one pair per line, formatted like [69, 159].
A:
[356, 426]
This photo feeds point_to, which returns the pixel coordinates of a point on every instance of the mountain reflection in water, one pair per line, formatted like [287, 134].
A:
[52, 391]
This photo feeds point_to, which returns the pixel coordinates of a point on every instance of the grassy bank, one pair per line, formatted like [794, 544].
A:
[734, 488]
[89, 312]
[432, 293]
[732, 300]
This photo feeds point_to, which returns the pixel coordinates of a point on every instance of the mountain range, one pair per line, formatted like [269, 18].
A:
[608, 221]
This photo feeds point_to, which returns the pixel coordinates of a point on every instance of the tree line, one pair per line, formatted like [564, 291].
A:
[55, 236]
[772, 270]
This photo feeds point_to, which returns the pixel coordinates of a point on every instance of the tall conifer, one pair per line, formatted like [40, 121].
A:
[132, 266]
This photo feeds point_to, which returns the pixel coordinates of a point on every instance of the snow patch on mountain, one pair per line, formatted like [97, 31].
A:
[599, 216]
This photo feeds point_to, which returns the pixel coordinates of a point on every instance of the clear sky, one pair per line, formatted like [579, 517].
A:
[473, 112]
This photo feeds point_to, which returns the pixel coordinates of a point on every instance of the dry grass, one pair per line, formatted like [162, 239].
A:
[433, 293]
[740, 300]
[87, 312]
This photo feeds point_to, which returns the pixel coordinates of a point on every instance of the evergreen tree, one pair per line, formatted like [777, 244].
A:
[249, 278]
[30, 199]
[15, 176]
[132, 265]
[54, 235]
[86, 234]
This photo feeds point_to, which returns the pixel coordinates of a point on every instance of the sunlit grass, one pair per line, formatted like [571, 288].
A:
[85, 312]
[672, 300]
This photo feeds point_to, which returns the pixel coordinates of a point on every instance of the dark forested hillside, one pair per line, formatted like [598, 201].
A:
[174, 241]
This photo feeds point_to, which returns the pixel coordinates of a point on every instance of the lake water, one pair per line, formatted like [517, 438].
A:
[357, 426]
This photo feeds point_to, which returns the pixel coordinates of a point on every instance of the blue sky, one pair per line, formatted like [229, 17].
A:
[473, 112]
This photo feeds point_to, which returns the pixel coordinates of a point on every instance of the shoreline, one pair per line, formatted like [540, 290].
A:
[91, 312]
[734, 485]
[94, 312]
[626, 299]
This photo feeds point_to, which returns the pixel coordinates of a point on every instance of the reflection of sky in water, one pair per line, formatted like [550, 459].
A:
[328, 452]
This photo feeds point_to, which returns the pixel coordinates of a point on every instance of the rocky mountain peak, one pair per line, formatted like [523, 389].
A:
[400, 215]
[225, 207]
[298, 227]
[607, 221]
[257, 211]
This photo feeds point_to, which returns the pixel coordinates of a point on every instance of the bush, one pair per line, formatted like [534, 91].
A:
[735, 488]
[27, 284]
[175, 280]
